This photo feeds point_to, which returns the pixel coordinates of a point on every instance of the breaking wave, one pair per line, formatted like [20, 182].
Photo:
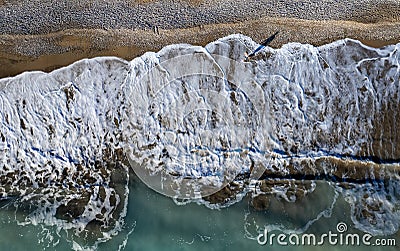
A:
[192, 121]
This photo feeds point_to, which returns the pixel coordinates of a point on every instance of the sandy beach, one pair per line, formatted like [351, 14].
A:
[45, 36]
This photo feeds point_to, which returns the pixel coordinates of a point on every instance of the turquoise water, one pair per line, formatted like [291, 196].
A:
[155, 222]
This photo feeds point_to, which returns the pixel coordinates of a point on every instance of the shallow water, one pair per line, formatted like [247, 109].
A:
[195, 227]
[155, 222]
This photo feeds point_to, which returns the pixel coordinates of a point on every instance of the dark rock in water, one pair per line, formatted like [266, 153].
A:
[73, 209]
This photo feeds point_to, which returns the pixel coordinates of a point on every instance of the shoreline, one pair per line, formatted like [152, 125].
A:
[46, 52]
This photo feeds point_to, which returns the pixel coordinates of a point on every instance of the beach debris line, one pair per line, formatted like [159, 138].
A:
[262, 45]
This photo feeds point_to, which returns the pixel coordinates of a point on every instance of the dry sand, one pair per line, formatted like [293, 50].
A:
[39, 35]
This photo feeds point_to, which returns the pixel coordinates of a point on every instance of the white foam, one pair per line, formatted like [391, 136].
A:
[197, 113]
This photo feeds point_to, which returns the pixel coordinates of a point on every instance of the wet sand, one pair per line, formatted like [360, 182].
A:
[47, 35]
[46, 52]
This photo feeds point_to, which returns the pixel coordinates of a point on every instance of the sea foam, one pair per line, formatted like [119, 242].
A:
[202, 117]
